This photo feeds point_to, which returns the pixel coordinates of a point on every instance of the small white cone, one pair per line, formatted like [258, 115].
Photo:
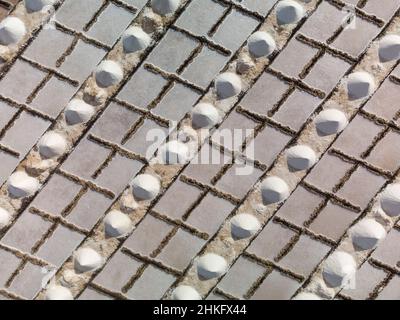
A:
[274, 190]
[145, 187]
[52, 145]
[164, 7]
[20, 185]
[78, 111]
[360, 85]
[86, 259]
[288, 11]
[108, 74]
[228, 85]
[205, 116]
[261, 44]
[12, 30]
[390, 200]
[117, 224]
[211, 266]
[244, 225]
[185, 293]
[389, 48]
[58, 293]
[174, 152]
[301, 157]
[339, 269]
[331, 121]
[5, 218]
[367, 234]
[135, 39]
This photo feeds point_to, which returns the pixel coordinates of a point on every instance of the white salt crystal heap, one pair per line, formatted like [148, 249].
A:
[301, 157]
[174, 152]
[360, 85]
[389, 48]
[211, 266]
[55, 292]
[306, 296]
[261, 44]
[289, 11]
[5, 218]
[108, 74]
[52, 145]
[117, 224]
[244, 225]
[390, 200]
[331, 121]
[20, 185]
[87, 259]
[135, 39]
[228, 85]
[185, 293]
[205, 115]
[274, 190]
[145, 187]
[78, 112]
[164, 7]
[37, 5]
[339, 269]
[367, 234]
[12, 30]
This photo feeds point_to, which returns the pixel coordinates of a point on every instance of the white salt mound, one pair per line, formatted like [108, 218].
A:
[244, 225]
[117, 224]
[339, 269]
[389, 48]
[135, 39]
[52, 145]
[37, 5]
[174, 152]
[20, 185]
[164, 7]
[390, 200]
[12, 30]
[331, 121]
[78, 111]
[306, 296]
[288, 11]
[360, 85]
[261, 44]
[5, 218]
[108, 74]
[367, 234]
[86, 259]
[274, 190]
[58, 293]
[301, 157]
[205, 115]
[145, 187]
[185, 293]
[211, 266]
[228, 85]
